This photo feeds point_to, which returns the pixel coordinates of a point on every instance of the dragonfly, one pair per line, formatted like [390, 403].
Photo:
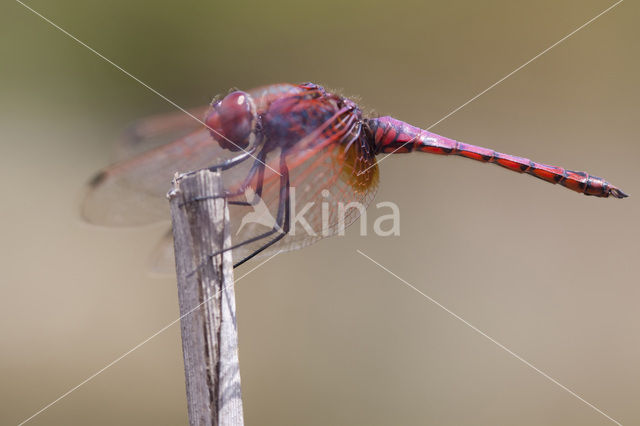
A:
[274, 145]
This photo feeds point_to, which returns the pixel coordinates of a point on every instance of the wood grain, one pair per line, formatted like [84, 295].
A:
[207, 302]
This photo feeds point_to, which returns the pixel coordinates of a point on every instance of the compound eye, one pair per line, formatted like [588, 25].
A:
[232, 120]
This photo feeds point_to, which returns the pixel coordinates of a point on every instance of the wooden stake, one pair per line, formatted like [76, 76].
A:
[207, 302]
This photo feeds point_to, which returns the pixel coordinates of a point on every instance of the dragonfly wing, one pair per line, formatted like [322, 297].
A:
[133, 191]
[162, 260]
[151, 132]
[329, 188]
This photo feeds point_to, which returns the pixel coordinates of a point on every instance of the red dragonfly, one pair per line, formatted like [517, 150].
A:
[273, 140]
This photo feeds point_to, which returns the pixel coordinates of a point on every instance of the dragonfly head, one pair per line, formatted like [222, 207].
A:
[232, 121]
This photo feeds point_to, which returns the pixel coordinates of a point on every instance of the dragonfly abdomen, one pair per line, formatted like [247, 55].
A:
[394, 136]
[577, 181]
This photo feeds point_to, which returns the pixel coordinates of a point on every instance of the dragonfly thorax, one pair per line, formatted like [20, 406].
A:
[301, 116]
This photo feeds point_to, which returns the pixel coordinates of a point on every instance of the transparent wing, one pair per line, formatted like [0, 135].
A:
[151, 151]
[152, 132]
[133, 191]
[329, 188]
[162, 260]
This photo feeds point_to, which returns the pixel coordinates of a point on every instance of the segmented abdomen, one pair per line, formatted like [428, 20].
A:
[394, 136]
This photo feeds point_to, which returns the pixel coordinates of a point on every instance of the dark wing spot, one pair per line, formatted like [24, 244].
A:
[98, 179]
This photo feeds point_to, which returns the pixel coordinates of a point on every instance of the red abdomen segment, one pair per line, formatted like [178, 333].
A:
[394, 136]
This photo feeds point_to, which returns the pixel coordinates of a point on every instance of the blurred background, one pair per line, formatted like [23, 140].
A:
[327, 337]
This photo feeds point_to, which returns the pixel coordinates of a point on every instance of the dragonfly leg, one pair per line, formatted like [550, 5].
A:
[228, 163]
[282, 222]
[282, 219]
[258, 166]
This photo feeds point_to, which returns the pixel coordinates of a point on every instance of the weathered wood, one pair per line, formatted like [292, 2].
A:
[207, 302]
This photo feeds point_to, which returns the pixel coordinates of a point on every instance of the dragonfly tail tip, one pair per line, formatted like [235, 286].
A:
[617, 193]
